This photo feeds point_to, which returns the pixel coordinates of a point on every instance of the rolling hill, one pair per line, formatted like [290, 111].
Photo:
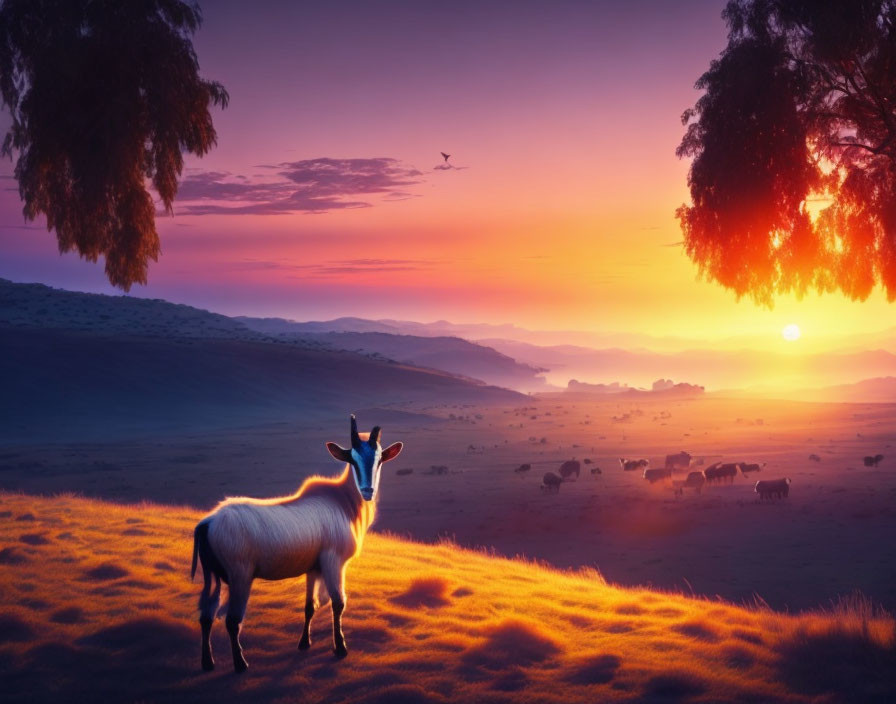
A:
[87, 366]
[425, 624]
[451, 354]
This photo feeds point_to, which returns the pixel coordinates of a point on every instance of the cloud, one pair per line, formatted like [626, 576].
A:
[334, 268]
[673, 244]
[308, 186]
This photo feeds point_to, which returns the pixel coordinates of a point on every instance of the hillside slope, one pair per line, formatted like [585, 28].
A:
[451, 354]
[97, 606]
[72, 384]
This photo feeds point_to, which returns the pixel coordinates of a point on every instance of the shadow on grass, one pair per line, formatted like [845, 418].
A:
[431, 592]
[852, 666]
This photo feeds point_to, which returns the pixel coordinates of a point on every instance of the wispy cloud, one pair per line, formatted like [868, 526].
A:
[335, 267]
[673, 244]
[307, 186]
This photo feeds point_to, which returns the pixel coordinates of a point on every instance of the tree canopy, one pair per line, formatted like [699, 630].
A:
[105, 95]
[793, 178]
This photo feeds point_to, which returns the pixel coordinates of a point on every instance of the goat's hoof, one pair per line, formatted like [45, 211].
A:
[304, 644]
[340, 652]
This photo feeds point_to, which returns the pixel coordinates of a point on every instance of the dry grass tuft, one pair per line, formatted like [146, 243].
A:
[431, 592]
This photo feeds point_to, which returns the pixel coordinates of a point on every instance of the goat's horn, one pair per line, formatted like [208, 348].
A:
[374, 435]
[356, 439]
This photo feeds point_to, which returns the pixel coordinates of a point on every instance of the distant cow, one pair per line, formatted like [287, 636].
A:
[678, 462]
[719, 472]
[870, 461]
[814, 458]
[595, 471]
[633, 465]
[657, 474]
[570, 467]
[523, 468]
[695, 481]
[586, 461]
[404, 471]
[747, 468]
[551, 482]
[773, 488]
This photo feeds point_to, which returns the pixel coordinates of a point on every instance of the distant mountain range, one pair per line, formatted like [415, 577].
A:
[438, 350]
[448, 353]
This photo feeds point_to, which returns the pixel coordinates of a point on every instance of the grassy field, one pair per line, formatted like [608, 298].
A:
[96, 605]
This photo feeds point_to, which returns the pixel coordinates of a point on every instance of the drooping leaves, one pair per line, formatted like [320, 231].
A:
[104, 95]
[799, 109]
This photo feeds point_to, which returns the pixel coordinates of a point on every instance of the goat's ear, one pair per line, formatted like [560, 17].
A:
[391, 452]
[339, 453]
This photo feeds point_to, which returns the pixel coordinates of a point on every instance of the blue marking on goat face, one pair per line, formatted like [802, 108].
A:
[366, 463]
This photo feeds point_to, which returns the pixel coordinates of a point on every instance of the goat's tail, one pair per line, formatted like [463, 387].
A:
[195, 552]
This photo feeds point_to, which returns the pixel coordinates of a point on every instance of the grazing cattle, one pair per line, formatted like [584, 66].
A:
[747, 468]
[773, 488]
[314, 532]
[438, 469]
[595, 471]
[678, 462]
[570, 467]
[405, 471]
[523, 468]
[695, 481]
[551, 482]
[657, 474]
[814, 458]
[633, 465]
[870, 461]
[720, 472]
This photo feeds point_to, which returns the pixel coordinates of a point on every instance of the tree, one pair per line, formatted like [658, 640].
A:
[104, 95]
[798, 113]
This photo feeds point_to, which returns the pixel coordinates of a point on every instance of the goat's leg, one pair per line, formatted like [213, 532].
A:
[333, 568]
[236, 611]
[208, 607]
[310, 606]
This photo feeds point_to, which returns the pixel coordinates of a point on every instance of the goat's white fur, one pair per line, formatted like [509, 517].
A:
[315, 532]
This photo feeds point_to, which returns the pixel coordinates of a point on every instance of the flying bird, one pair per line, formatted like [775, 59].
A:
[445, 155]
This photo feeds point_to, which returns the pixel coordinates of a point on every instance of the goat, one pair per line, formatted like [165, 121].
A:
[523, 468]
[872, 461]
[314, 532]
[747, 468]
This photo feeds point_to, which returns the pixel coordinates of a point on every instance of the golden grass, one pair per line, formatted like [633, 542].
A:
[97, 605]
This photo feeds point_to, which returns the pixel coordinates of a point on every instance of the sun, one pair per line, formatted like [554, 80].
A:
[791, 332]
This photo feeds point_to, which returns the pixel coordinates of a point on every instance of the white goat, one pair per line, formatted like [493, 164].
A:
[314, 532]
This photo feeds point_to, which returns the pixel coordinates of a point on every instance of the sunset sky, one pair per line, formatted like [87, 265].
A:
[322, 198]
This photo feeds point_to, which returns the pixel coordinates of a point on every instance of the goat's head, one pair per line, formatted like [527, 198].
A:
[366, 458]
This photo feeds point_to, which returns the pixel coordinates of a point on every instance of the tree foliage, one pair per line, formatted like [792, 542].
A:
[105, 96]
[793, 178]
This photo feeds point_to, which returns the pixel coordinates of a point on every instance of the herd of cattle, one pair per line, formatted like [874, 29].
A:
[719, 472]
